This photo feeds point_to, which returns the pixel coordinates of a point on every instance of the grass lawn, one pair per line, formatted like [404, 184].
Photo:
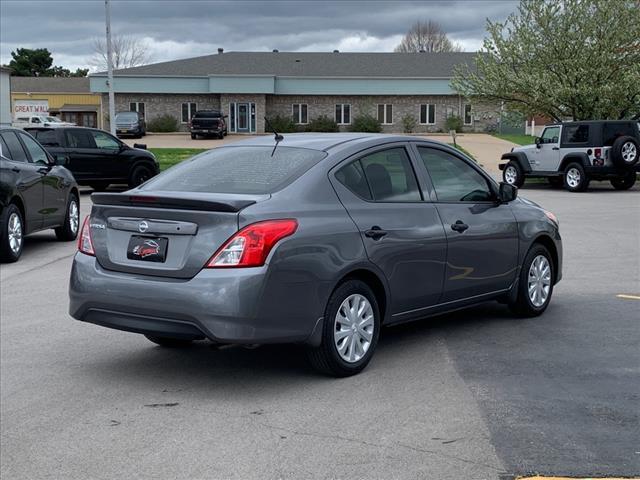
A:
[168, 157]
[516, 138]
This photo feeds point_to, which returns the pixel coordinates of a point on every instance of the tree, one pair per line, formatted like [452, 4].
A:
[37, 63]
[30, 63]
[127, 52]
[576, 59]
[426, 37]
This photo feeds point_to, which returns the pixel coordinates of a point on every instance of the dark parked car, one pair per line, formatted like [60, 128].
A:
[97, 158]
[208, 123]
[320, 242]
[130, 123]
[36, 193]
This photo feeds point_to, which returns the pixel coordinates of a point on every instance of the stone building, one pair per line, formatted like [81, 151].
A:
[247, 86]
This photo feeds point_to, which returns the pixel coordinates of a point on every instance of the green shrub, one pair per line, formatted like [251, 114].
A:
[366, 123]
[409, 123]
[322, 124]
[281, 124]
[163, 123]
[454, 123]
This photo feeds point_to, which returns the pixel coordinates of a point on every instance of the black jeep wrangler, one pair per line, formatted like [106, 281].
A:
[574, 153]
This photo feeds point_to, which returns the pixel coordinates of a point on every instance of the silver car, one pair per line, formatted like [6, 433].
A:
[317, 239]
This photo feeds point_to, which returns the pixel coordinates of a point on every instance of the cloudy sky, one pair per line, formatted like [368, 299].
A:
[179, 29]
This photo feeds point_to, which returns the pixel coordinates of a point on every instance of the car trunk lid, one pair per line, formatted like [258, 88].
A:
[175, 233]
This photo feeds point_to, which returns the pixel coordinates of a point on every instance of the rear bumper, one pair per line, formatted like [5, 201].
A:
[204, 131]
[224, 305]
[610, 171]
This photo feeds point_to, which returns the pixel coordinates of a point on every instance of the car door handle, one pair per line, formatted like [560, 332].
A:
[459, 226]
[375, 232]
[16, 170]
[555, 148]
[44, 170]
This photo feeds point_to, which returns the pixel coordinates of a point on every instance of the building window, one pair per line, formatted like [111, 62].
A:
[299, 111]
[428, 114]
[468, 119]
[385, 113]
[343, 114]
[137, 107]
[188, 111]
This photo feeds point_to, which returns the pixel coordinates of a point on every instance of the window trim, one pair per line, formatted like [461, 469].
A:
[385, 119]
[427, 113]
[356, 157]
[342, 105]
[298, 121]
[433, 195]
[190, 114]
[464, 114]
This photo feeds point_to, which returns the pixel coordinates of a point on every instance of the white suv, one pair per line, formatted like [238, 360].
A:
[574, 153]
[39, 121]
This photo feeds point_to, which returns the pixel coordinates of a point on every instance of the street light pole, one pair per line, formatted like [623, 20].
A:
[112, 102]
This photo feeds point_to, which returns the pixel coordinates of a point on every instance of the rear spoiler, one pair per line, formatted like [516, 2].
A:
[207, 202]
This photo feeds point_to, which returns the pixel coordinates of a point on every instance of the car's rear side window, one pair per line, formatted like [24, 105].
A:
[390, 176]
[45, 137]
[613, 131]
[79, 139]
[250, 170]
[4, 150]
[16, 152]
[575, 133]
[352, 177]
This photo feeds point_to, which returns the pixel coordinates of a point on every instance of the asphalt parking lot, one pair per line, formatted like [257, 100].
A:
[476, 394]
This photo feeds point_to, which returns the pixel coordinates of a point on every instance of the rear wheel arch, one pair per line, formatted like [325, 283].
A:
[581, 158]
[374, 282]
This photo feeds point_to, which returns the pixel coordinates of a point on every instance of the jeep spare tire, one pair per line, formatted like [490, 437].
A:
[625, 152]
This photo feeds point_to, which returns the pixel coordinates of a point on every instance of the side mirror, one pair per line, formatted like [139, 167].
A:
[507, 193]
[142, 146]
[61, 160]
[538, 142]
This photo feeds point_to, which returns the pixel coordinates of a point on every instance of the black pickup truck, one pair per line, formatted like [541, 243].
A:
[208, 123]
[96, 157]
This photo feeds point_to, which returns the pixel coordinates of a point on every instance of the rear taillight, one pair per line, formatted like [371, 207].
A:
[597, 152]
[85, 245]
[250, 247]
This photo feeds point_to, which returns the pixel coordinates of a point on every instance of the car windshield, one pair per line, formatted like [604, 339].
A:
[250, 170]
[127, 117]
[208, 115]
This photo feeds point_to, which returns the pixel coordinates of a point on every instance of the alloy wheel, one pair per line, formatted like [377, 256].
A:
[629, 152]
[539, 283]
[573, 177]
[14, 230]
[354, 328]
[510, 175]
[74, 216]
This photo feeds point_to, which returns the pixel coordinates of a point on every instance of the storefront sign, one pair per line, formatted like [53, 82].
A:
[30, 107]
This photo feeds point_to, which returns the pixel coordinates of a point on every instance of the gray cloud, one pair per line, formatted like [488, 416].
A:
[177, 29]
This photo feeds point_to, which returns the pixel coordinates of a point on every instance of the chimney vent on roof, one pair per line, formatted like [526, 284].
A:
[275, 50]
[220, 50]
[336, 51]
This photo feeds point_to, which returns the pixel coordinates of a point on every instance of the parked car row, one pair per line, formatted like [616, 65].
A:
[41, 169]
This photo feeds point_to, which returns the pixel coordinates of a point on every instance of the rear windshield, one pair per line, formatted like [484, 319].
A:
[250, 170]
[208, 115]
[127, 116]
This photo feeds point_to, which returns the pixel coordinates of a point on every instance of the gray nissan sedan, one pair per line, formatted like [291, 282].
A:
[319, 239]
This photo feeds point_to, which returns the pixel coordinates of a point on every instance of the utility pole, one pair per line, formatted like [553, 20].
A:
[112, 101]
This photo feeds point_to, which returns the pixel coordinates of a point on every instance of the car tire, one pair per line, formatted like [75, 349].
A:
[12, 240]
[513, 174]
[221, 136]
[625, 152]
[99, 187]
[535, 283]
[169, 342]
[193, 136]
[624, 182]
[555, 182]
[575, 178]
[139, 175]
[69, 231]
[349, 338]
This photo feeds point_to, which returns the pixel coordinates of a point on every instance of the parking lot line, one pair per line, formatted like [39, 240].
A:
[628, 297]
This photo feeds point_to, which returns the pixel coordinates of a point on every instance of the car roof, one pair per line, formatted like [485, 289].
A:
[326, 141]
[589, 122]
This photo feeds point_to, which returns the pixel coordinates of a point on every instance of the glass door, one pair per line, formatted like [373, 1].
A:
[243, 117]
